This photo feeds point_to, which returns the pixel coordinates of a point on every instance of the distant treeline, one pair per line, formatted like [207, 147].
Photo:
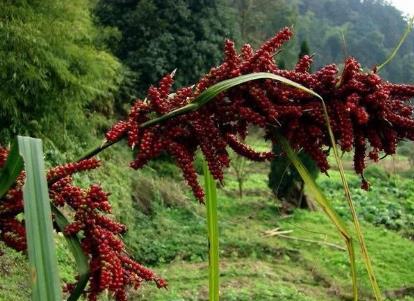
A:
[157, 36]
[61, 62]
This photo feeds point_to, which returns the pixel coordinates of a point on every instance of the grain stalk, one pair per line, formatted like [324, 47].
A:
[360, 235]
[213, 234]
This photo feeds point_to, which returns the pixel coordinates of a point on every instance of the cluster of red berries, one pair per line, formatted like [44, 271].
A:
[367, 114]
[110, 267]
[12, 230]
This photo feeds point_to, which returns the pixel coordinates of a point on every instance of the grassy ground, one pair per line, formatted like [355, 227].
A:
[255, 267]
[167, 231]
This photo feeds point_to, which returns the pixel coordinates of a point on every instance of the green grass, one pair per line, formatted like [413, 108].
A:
[14, 280]
[258, 268]
[389, 203]
[169, 234]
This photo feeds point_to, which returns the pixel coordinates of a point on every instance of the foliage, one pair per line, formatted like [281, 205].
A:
[253, 267]
[367, 29]
[53, 70]
[406, 149]
[259, 268]
[284, 180]
[304, 49]
[258, 19]
[333, 29]
[163, 189]
[159, 36]
[389, 203]
[238, 164]
[210, 187]
[184, 153]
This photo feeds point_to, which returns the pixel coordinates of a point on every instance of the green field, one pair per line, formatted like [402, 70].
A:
[167, 231]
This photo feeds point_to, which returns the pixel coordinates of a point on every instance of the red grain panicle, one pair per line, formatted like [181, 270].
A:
[346, 135]
[245, 151]
[3, 155]
[184, 158]
[110, 267]
[304, 64]
[117, 131]
[361, 107]
[63, 171]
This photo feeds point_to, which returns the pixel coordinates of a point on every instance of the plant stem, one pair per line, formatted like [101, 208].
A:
[106, 144]
[326, 206]
[98, 149]
[403, 38]
[213, 241]
[360, 235]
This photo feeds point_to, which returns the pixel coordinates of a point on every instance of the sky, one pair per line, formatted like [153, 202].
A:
[406, 6]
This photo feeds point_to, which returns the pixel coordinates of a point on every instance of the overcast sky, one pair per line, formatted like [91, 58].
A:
[406, 6]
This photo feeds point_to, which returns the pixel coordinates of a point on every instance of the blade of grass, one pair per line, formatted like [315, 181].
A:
[360, 235]
[76, 250]
[326, 206]
[38, 222]
[402, 40]
[222, 86]
[213, 241]
[11, 169]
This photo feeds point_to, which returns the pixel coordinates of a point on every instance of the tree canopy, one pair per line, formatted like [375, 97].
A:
[158, 36]
[52, 68]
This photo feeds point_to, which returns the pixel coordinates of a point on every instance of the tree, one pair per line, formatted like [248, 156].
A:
[239, 166]
[53, 70]
[304, 49]
[260, 19]
[159, 36]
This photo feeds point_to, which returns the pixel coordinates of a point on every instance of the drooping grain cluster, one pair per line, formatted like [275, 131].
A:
[12, 230]
[110, 266]
[368, 115]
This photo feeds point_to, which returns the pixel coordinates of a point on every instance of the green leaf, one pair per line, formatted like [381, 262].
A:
[222, 86]
[213, 235]
[78, 254]
[326, 206]
[11, 169]
[38, 221]
[355, 220]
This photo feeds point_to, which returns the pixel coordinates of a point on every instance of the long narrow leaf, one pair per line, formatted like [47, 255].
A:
[78, 254]
[360, 235]
[38, 221]
[204, 98]
[404, 36]
[213, 241]
[326, 206]
[11, 169]
[222, 86]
